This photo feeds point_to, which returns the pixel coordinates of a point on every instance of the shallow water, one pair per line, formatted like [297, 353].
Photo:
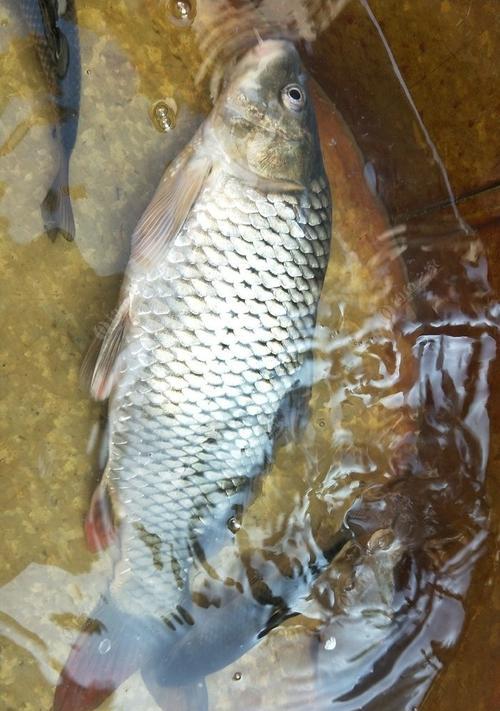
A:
[399, 432]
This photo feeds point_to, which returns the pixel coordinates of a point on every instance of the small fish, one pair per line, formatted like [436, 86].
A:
[53, 25]
[207, 366]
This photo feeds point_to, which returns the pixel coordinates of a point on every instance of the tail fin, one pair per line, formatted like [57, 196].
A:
[111, 647]
[57, 212]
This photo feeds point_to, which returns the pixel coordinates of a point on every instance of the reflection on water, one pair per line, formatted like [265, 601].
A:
[397, 443]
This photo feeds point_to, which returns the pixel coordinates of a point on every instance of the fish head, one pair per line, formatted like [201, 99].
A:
[264, 119]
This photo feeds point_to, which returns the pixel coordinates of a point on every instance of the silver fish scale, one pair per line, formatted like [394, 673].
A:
[220, 332]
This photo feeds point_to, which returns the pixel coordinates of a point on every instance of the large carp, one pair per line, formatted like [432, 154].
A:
[207, 364]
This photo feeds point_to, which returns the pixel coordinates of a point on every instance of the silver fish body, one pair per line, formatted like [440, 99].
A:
[206, 364]
[221, 333]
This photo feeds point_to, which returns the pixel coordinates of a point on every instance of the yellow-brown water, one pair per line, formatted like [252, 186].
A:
[402, 386]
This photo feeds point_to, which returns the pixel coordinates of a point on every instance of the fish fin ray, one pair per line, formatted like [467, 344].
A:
[56, 208]
[99, 365]
[99, 525]
[169, 208]
[111, 647]
[89, 362]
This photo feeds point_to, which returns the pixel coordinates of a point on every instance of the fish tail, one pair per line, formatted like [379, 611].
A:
[57, 211]
[110, 648]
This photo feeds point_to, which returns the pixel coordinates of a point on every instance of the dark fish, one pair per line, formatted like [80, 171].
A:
[54, 27]
[207, 364]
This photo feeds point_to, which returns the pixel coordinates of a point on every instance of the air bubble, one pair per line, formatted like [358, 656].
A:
[330, 644]
[381, 540]
[163, 115]
[236, 676]
[104, 646]
[182, 12]
[233, 524]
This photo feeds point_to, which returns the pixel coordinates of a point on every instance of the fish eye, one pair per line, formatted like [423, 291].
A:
[293, 97]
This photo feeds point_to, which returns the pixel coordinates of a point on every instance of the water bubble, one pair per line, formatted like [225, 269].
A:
[182, 9]
[348, 585]
[381, 540]
[182, 12]
[330, 643]
[233, 524]
[236, 676]
[163, 115]
[104, 646]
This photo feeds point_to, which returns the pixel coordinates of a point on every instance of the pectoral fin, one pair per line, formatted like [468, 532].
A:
[169, 208]
[160, 223]
[100, 365]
